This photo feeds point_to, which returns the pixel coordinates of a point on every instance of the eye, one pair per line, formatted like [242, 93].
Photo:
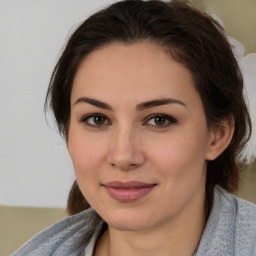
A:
[96, 120]
[160, 120]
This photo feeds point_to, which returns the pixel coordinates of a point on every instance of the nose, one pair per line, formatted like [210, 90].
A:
[126, 150]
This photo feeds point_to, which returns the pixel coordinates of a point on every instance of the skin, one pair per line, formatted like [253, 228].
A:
[131, 145]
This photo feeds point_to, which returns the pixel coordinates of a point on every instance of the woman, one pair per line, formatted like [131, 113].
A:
[149, 98]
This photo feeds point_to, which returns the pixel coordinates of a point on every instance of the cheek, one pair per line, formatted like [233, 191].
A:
[87, 157]
[179, 156]
[180, 166]
[87, 154]
[81, 156]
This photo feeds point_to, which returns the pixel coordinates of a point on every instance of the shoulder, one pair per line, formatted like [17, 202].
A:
[243, 222]
[67, 237]
[231, 227]
[242, 212]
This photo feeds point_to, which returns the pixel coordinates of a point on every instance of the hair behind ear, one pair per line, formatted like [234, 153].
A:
[76, 201]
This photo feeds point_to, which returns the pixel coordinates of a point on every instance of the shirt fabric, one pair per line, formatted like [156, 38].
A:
[230, 231]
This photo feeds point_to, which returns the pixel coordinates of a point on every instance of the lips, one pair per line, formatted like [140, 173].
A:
[128, 191]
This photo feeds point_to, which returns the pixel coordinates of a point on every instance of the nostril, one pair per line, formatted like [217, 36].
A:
[125, 154]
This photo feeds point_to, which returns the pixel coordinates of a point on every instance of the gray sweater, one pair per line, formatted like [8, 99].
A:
[230, 231]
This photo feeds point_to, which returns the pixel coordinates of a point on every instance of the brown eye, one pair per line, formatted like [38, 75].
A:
[99, 120]
[160, 121]
[95, 120]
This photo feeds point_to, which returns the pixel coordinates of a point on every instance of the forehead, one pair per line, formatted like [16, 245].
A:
[139, 71]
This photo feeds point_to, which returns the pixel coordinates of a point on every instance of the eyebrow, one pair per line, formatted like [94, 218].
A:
[158, 102]
[139, 107]
[94, 102]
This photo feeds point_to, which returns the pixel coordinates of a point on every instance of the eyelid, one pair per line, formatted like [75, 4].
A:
[171, 120]
[91, 115]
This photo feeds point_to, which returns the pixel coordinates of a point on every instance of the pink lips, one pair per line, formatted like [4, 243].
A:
[128, 191]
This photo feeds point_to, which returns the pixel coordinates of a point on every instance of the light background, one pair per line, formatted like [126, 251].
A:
[35, 169]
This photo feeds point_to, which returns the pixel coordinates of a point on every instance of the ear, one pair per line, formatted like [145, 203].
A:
[219, 138]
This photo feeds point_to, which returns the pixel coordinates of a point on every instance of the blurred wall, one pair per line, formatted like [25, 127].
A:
[239, 17]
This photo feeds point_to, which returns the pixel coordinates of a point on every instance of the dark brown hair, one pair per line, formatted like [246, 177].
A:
[192, 38]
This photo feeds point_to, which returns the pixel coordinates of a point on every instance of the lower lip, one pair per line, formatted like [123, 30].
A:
[125, 195]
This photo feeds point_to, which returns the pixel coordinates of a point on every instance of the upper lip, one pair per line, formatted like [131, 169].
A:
[128, 185]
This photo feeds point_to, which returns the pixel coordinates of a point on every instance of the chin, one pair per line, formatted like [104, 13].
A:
[126, 221]
[129, 226]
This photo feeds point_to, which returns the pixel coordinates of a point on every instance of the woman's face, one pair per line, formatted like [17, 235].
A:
[138, 136]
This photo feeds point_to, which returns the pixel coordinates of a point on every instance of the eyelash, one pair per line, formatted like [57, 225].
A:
[86, 119]
[166, 118]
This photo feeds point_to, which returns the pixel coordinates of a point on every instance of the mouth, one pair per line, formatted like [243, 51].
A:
[126, 192]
